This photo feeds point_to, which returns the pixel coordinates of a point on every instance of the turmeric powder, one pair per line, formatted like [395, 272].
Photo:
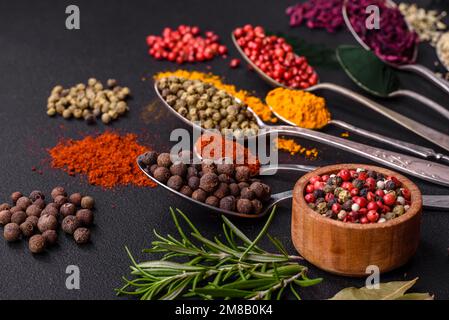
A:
[256, 104]
[303, 108]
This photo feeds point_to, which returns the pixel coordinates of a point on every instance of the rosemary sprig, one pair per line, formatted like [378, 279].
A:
[194, 266]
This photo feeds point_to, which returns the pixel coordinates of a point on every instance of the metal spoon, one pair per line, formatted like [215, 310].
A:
[427, 170]
[416, 68]
[427, 133]
[436, 202]
[393, 92]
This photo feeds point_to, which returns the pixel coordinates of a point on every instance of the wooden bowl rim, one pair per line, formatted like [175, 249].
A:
[415, 207]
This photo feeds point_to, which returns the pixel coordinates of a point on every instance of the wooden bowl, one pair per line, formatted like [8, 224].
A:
[349, 248]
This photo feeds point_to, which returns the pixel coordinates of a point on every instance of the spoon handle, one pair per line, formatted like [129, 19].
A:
[424, 169]
[403, 145]
[427, 133]
[427, 73]
[424, 100]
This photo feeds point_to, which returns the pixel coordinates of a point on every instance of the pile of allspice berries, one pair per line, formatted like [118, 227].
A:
[213, 108]
[32, 217]
[90, 101]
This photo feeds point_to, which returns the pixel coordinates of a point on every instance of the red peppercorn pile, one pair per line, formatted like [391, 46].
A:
[275, 57]
[185, 44]
[357, 196]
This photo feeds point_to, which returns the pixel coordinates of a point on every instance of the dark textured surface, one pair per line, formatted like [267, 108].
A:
[37, 52]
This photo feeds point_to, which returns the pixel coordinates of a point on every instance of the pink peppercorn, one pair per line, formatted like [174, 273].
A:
[310, 198]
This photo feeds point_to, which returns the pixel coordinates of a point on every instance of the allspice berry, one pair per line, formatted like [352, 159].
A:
[51, 237]
[213, 201]
[75, 198]
[222, 190]
[15, 196]
[60, 200]
[36, 244]
[194, 182]
[208, 166]
[257, 206]
[242, 173]
[208, 182]
[228, 203]
[70, 224]
[149, 158]
[33, 210]
[178, 169]
[247, 193]
[164, 160]
[85, 217]
[36, 194]
[4, 206]
[58, 191]
[18, 217]
[67, 209]
[226, 168]
[244, 206]
[47, 222]
[15, 209]
[33, 220]
[40, 203]
[11, 232]
[175, 182]
[81, 235]
[23, 203]
[27, 229]
[5, 217]
[162, 174]
[87, 202]
[234, 189]
[51, 209]
[186, 190]
[199, 195]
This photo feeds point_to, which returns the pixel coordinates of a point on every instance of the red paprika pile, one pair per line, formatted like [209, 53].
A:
[108, 160]
[185, 44]
[275, 57]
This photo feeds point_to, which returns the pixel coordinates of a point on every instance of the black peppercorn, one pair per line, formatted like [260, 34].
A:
[11, 232]
[194, 183]
[75, 198]
[87, 202]
[70, 224]
[318, 193]
[371, 174]
[18, 217]
[363, 192]
[191, 172]
[242, 173]
[228, 203]
[234, 189]
[5, 217]
[331, 203]
[357, 183]
[60, 200]
[199, 195]
[4, 206]
[58, 191]
[27, 229]
[390, 185]
[23, 203]
[67, 209]
[213, 201]
[226, 168]
[15, 196]
[47, 222]
[81, 235]
[222, 190]
[85, 217]
[246, 193]
[162, 174]
[33, 220]
[208, 166]
[178, 169]
[164, 160]
[244, 206]
[347, 205]
[149, 158]
[36, 194]
[33, 210]
[257, 206]
[36, 244]
[39, 203]
[175, 182]
[186, 190]
[51, 237]
[208, 182]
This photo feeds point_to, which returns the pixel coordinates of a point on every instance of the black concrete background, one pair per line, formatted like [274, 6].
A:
[37, 52]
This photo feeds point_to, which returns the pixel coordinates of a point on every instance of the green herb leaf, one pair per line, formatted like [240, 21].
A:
[368, 71]
[387, 291]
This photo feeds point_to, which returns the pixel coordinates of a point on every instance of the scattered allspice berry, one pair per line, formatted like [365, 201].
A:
[75, 198]
[36, 194]
[85, 217]
[51, 237]
[67, 209]
[58, 191]
[11, 232]
[27, 229]
[15, 196]
[36, 243]
[81, 235]
[5, 206]
[47, 222]
[5, 217]
[18, 217]
[33, 220]
[70, 224]
[89, 101]
[23, 203]
[87, 202]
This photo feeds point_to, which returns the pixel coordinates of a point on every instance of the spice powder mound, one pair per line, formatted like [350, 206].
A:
[108, 160]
